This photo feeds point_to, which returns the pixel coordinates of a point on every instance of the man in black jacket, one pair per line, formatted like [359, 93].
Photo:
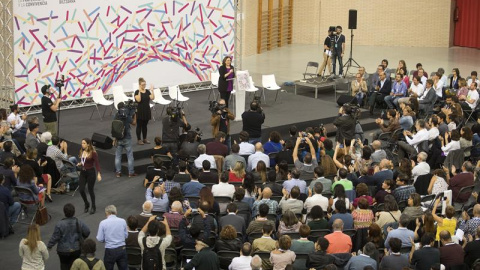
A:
[427, 255]
[252, 122]
[428, 98]
[383, 89]
[345, 125]
[319, 259]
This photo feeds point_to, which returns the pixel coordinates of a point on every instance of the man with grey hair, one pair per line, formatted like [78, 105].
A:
[360, 261]
[401, 233]
[422, 166]
[256, 263]
[175, 215]
[143, 217]
[339, 242]
[202, 150]
[113, 231]
[378, 153]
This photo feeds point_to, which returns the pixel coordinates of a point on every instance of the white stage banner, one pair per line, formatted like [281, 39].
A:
[100, 44]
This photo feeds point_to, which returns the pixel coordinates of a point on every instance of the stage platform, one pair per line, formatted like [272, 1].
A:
[301, 110]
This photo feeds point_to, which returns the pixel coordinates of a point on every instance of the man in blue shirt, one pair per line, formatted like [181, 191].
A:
[401, 233]
[127, 116]
[157, 196]
[295, 181]
[193, 187]
[113, 231]
[399, 89]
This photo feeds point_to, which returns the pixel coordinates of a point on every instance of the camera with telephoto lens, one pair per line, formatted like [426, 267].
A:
[128, 109]
[214, 107]
[175, 113]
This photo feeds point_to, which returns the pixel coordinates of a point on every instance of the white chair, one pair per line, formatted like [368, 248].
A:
[269, 83]
[99, 99]
[252, 88]
[159, 99]
[214, 77]
[119, 95]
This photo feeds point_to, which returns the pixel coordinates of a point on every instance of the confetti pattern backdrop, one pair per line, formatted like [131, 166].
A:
[95, 44]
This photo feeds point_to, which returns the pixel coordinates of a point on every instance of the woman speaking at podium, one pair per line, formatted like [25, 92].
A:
[225, 82]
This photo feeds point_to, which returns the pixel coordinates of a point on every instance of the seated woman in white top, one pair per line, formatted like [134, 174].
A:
[450, 142]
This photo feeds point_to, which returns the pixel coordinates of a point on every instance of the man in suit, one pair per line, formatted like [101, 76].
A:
[232, 219]
[382, 173]
[428, 98]
[379, 154]
[383, 88]
[427, 255]
[472, 248]
[207, 176]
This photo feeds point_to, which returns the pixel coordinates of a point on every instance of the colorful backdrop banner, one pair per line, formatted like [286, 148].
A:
[99, 44]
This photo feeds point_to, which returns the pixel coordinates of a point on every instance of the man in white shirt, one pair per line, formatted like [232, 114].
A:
[472, 97]
[433, 131]
[443, 77]
[413, 140]
[473, 79]
[316, 199]
[202, 149]
[422, 167]
[416, 90]
[242, 262]
[246, 148]
[438, 84]
[16, 120]
[423, 79]
[256, 157]
[223, 188]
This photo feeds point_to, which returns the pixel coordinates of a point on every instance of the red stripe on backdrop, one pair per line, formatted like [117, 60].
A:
[467, 27]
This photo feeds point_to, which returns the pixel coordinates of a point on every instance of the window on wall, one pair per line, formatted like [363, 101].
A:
[275, 20]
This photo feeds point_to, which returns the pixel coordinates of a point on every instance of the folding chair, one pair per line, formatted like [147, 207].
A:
[464, 190]
[312, 74]
[252, 88]
[69, 174]
[186, 254]
[469, 112]
[253, 236]
[225, 257]
[170, 258]
[350, 233]
[166, 160]
[315, 234]
[293, 235]
[402, 205]
[99, 99]
[300, 262]
[27, 193]
[134, 257]
[223, 201]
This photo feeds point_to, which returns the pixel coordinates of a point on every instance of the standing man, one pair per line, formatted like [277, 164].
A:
[338, 50]
[220, 121]
[113, 231]
[327, 53]
[128, 117]
[252, 122]
[49, 109]
[171, 124]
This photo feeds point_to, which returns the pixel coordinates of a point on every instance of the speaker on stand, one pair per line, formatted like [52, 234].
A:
[352, 24]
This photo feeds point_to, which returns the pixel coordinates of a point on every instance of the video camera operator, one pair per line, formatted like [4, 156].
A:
[327, 52]
[171, 124]
[220, 120]
[345, 124]
[126, 114]
[49, 109]
[252, 122]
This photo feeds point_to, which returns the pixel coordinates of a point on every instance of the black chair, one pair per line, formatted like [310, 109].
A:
[171, 258]
[293, 235]
[166, 160]
[265, 256]
[225, 257]
[464, 190]
[422, 183]
[300, 262]
[272, 217]
[193, 199]
[315, 234]
[350, 233]
[186, 254]
[427, 198]
[27, 193]
[311, 71]
[405, 250]
[134, 257]
[277, 198]
[223, 201]
[253, 236]
[402, 205]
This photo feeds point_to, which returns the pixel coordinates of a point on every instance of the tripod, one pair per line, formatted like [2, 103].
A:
[324, 79]
[350, 60]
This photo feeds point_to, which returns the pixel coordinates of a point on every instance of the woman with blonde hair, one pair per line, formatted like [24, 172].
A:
[237, 173]
[144, 114]
[33, 251]
[89, 163]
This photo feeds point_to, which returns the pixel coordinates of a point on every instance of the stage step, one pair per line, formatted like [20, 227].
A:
[139, 165]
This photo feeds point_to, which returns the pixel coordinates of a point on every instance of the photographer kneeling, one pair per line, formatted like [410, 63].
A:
[345, 124]
[220, 120]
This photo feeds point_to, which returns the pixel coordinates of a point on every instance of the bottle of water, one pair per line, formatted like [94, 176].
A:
[23, 215]
[68, 187]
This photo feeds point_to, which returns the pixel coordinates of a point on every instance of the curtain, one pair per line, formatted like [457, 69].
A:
[467, 23]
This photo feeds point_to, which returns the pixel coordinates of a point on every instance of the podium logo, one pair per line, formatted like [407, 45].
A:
[32, 3]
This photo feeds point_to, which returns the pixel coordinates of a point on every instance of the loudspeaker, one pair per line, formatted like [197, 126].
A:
[352, 19]
[343, 99]
[102, 141]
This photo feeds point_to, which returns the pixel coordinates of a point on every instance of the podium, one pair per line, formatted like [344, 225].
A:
[242, 83]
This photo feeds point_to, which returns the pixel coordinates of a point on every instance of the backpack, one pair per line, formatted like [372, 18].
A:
[151, 257]
[118, 129]
[89, 263]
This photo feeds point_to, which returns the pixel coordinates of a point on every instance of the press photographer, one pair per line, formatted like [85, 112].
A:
[171, 125]
[252, 122]
[122, 136]
[220, 120]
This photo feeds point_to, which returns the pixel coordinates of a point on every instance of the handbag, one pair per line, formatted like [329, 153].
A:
[42, 216]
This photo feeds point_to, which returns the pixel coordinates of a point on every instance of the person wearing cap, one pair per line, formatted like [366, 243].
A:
[205, 259]
[33, 139]
[49, 109]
